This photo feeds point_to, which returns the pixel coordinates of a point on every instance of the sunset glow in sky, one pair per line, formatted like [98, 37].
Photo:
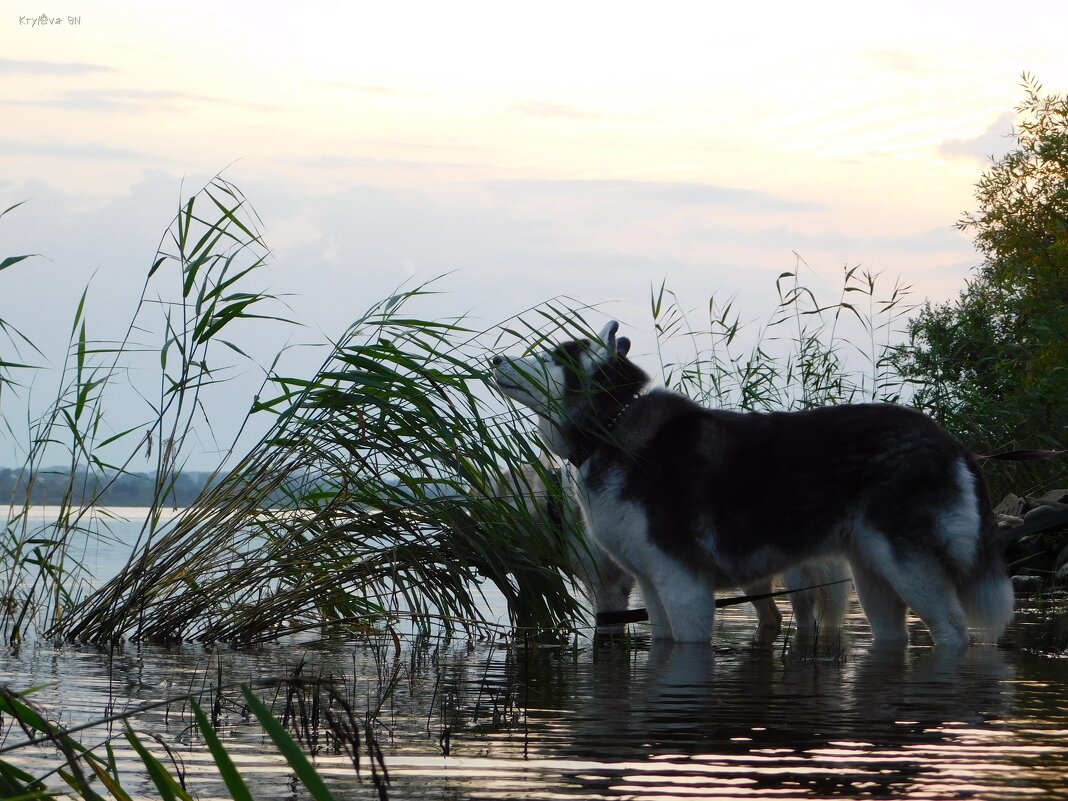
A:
[589, 149]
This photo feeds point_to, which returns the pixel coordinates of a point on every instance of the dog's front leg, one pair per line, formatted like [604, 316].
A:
[688, 599]
[659, 623]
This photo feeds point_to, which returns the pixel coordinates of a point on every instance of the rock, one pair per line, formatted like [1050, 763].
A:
[1016, 506]
[1008, 522]
[1059, 496]
[1042, 554]
[1012, 505]
[1044, 509]
[1027, 583]
[1033, 554]
[1060, 570]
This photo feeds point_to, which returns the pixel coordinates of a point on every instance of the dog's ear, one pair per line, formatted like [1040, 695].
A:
[608, 338]
[622, 346]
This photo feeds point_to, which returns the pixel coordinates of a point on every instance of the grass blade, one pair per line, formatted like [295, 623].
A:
[288, 747]
[169, 789]
[235, 785]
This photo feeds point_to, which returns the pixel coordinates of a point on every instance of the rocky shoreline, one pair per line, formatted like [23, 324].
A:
[1040, 557]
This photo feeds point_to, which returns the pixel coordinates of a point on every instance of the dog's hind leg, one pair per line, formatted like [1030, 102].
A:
[924, 586]
[881, 604]
[920, 584]
[769, 617]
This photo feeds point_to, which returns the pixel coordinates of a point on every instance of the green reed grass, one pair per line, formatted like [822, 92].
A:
[193, 293]
[356, 508]
[810, 351]
[88, 772]
[366, 504]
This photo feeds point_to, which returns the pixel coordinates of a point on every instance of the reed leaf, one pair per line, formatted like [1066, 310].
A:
[288, 747]
[168, 787]
[214, 294]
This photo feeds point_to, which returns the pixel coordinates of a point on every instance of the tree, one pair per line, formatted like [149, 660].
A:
[992, 366]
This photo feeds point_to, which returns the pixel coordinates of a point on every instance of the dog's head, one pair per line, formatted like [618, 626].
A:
[574, 387]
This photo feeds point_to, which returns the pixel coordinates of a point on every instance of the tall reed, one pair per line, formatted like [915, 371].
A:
[193, 292]
[811, 351]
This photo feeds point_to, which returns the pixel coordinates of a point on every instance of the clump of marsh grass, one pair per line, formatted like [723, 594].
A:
[365, 505]
[354, 509]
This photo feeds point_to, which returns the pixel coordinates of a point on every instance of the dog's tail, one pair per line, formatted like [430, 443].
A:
[983, 585]
[988, 597]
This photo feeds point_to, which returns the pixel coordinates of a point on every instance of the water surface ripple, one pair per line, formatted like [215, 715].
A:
[633, 720]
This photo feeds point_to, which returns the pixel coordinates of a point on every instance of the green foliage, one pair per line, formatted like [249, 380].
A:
[992, 366]
[357, 508]
[81, 766]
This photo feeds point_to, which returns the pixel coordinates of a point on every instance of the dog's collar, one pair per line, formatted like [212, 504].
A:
[611, 424]
[587, 441]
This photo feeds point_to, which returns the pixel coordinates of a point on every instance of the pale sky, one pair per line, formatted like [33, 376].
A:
[586, 149]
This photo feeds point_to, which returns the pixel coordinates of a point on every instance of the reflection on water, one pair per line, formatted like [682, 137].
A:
[629, 719]
[633, 720]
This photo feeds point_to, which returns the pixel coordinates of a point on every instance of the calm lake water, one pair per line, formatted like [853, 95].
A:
[628, 719]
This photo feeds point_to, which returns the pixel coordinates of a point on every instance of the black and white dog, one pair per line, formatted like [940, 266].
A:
[688, 498]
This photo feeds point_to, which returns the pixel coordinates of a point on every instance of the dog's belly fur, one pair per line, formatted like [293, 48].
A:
[624, 528]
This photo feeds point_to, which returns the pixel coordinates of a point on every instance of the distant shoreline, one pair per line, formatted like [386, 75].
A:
[47, 513]
[106, 489]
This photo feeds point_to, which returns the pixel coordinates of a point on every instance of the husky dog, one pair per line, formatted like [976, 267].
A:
[689, 498]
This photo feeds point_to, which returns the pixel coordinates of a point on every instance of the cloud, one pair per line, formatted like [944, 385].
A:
[933, 240]
[10, 66]
[137, 100]
[895, 61]
[86, 150]
[662, 193]
[993, 143]
[546, 110]
[367, 88]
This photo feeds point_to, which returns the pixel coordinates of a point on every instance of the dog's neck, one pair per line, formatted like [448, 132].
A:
[586, 434]
[591, 409]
